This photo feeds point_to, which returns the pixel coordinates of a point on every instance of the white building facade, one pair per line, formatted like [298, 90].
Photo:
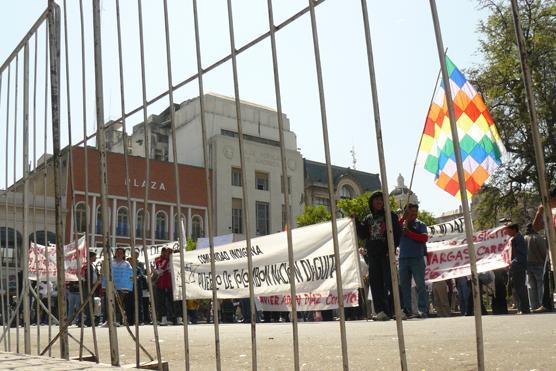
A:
[263, 167]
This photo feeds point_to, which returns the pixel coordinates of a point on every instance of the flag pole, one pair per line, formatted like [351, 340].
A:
[463, 191]
[421, 140]
[539, 159]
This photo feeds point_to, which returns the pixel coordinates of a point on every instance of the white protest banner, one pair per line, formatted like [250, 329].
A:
[203, 242]
[37, 254]
[314, 266]
[308, 301]
[450, 259]
[153, 251]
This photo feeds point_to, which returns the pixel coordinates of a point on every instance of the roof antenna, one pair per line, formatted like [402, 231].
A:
[353, 159]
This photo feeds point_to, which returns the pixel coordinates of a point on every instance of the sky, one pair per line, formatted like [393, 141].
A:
[404, 47]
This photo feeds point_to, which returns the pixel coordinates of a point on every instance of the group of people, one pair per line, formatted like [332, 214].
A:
[526, 278]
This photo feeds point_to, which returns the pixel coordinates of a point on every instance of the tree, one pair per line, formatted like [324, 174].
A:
[499, 80]
[313, 215]
[426, 217]
[358, 206]
[493, 205]
[190, 245]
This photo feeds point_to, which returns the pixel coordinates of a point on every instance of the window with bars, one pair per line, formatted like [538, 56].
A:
[261, 181]
[161, 231]
[237, 216]
[236, 177]
[123, 222]
[262, 211]
[289, 184]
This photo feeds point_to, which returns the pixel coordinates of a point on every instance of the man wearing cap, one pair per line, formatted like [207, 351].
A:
[372, 229]
[412, 260]
[518, 266]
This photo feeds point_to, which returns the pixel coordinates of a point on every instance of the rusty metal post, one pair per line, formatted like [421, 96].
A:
[54, 44]
[25, 247]
[331, 195]
[463, 192]
[384, 179]
[285, 185]
[101, 142]
[206, 161]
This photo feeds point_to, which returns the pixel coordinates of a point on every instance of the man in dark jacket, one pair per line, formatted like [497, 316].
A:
[372, 229]
[518, 266]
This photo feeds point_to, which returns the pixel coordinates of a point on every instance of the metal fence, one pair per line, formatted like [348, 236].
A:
[54, 130]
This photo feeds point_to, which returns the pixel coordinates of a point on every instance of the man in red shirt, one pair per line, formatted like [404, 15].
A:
[164, 299]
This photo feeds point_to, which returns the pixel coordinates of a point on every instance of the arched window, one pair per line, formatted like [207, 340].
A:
[43, 238]
[196, 227]
[122, 227]
[161, 232]
[81, 217]
[139, 224]
[98, 228]
[9, 240]
[177, 226]
[346, 192]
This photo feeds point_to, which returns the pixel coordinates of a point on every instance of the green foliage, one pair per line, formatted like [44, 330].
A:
[191, 245]
[358, 206]
[490, 205]
[426, 217]
[313, 215]
[499, 80]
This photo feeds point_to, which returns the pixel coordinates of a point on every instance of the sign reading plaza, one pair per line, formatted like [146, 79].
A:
[314, 264]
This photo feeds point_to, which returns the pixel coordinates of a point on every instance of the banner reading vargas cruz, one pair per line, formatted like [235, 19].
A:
[450, 259]
[314, 264]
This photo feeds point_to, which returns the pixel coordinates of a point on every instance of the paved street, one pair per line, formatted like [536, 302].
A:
[511, 343]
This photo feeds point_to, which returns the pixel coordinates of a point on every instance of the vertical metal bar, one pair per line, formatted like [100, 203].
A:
[146, 132]
[45, 175]
[463, 191]
[210, 210]
[384, 179]
[285, 185]
[38, 307]
[70, 167]
[25, 252]
[14, 161]
[54, 35]
[537, 146]
[345, 361]
[101, 142]
[88, 209]
[245, 194]
[178, 188]
[6, 209]
[4, 249]
[127, 189]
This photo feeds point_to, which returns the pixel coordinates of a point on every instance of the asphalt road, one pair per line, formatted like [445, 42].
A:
[511, 342]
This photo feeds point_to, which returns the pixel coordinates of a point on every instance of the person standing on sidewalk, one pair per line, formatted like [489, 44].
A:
[413, 246]
[518, 267]
[372, 229]
[537, 250]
